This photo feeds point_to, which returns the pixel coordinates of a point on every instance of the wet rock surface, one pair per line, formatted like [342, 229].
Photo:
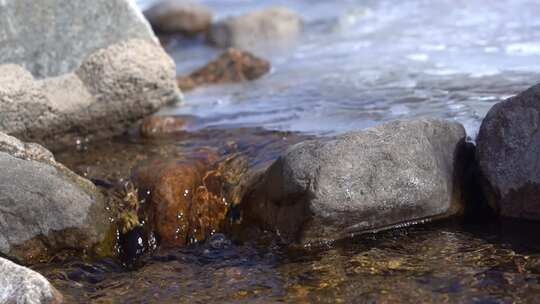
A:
[233, 65]
[268, 26]
[188, 199]
[508, 148]
[19, 284]
[179, 16]
[44, 207]
[380, 177]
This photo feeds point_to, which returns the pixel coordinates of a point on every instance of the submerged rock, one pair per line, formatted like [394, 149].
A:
[19, 284]
[269, 26]
[508, 148]
[396, 173]
[188, 199]
[44, 207]
[96, 70]
[233, 65]
[182, 16]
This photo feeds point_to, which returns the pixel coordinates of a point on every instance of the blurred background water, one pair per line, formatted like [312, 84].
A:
[363, 62]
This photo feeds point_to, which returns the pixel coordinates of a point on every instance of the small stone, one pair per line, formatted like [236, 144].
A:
[19, 284]
[179, 16]
[233, 65]
[185, 83]
[269, 26]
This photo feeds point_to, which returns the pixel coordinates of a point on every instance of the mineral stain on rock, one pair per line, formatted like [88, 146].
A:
[188, 200]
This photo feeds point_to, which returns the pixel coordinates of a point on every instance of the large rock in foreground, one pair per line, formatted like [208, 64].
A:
[44, 207]
[94, 71]
[19, 284]
[265, 27]
[396, 173]
[508, 150]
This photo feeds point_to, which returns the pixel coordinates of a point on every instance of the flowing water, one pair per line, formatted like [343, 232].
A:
[358, 63]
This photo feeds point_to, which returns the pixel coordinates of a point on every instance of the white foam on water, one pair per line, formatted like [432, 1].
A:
[357, 60]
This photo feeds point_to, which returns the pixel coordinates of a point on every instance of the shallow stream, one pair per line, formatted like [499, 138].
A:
[359, 63]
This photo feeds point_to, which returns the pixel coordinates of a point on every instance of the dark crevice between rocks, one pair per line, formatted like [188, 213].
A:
[476, 207]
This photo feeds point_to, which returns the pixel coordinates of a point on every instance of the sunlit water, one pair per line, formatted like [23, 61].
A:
[360, 63]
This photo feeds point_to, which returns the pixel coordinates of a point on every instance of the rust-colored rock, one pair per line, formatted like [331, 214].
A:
[154, 126]
[233, 65]
[188, 199]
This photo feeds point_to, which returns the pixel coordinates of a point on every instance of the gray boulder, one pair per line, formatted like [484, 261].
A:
[274, 25]
[508, 149]
[19, 284]
[96, 69]
[52, 37]
[179, 16]
[394, 174]
[44, 207]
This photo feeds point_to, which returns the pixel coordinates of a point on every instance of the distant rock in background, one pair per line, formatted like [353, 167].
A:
[269, 26]
[327, 189]
[44, 207]
[233, 65]
[19, 284]
[75, 69]
[179, 16]
[508, 153]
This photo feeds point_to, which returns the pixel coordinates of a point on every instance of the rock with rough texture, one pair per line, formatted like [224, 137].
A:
[19, 284]
[179, 16]
[44, 207]
[189, 198]
[95, 70]
[74, 30]
[233, 65]
[269, 26]
[397, 173]
[113, 88]
[508, 147]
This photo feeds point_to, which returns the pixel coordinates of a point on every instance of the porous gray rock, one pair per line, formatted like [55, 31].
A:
[44, 207]
[397, 173]
[179, 16]
[113, 88]
[19, 284]
[273, 25]
[94, 71]
[508, 153]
